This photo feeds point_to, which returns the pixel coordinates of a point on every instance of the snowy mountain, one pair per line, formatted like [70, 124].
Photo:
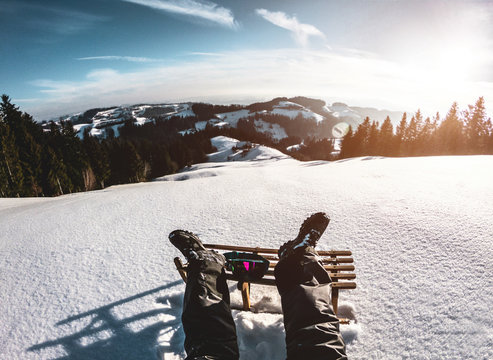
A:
[90, 275]
[98, 123]
[332, 120]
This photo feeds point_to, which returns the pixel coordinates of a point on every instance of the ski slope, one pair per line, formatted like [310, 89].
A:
[91, 276]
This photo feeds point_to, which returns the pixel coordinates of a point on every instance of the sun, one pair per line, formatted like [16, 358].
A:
[453, 60]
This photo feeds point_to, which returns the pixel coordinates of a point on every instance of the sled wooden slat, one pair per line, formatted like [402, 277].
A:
[335, 262]
[329, 267]
[260, 250]
[333, 275]
[270, 281]
[344, 260]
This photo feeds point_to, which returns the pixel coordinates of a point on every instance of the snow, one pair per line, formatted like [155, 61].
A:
[232, 117]
[295, 147]
[80, 128]
[184, 110]
[118, 115]
[220, 124]
[292, 110]
[340, 110]
[186, 132]
[289, 104]
[140, 120]
[200, 125]
[137, 115]
[115, 117]
[96, 132]
[276, 131]
[254, 152]
[91, 276]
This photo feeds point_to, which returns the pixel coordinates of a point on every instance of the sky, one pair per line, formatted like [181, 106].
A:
[60, 57]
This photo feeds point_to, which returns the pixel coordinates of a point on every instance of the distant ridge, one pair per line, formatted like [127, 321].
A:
[278, 118]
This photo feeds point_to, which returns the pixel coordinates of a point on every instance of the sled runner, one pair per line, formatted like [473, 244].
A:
[338, 264]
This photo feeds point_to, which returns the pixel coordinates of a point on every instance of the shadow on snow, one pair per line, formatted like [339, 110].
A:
[119, 341]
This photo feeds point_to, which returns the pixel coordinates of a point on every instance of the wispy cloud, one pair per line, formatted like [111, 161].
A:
[121, 58]
[212, 54]
[54, 19]
[72, 21]
[301, 32]
[204, 10]
[22, 101]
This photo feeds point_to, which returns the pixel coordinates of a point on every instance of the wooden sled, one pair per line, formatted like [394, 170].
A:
[337, 262]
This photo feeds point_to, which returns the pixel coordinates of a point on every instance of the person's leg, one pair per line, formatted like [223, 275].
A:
[210, 331]
[312, 329]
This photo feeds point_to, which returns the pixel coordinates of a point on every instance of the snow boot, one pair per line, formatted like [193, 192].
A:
[310, 232]
[187, 242]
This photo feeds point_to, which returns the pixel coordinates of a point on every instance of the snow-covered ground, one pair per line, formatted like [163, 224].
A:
[293, 110]
[340, 110]
[114, 118]
[229, 149]
[276, 131]
[91, 275]
[232, 117]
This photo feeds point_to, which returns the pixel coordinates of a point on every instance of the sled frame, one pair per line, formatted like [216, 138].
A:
[338, 263]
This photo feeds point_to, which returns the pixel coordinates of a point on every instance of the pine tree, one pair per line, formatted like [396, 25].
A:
[348, 145]
[73, 156]
[161, 163]
[410, 135]
[450, 133]
[125, 163]
[434, 146]
[400, 132]
[476, 128]
[424, 141]
[27, 136]
[387, 142]
[373, 144]
[361, 138]
[136, 167]
[489, 144]
[55, 180]
[12, 178]
[98, 159]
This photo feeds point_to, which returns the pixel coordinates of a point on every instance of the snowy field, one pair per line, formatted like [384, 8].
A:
[91, 275]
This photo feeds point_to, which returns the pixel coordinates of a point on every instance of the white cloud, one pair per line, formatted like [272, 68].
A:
[100, 74]
[21, 101]
[354, 77]
[205, 10]
[59, 20]
[196, 53]
[301, 32]
[122, 58]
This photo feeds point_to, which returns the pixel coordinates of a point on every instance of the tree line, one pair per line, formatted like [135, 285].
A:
[468, 132]
[54, 161]
[50, 161]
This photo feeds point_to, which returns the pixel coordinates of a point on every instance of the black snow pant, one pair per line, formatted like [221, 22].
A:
[312, 329]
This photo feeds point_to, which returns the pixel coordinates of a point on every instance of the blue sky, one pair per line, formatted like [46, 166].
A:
[59, 57]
